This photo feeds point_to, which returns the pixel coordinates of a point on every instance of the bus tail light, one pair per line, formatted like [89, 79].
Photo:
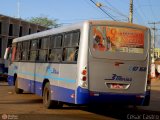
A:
[84, 78]
[84, 72]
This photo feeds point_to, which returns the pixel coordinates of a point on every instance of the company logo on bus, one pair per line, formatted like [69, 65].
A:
[15, 67]
[137, 68]
[119, 78]
[50, 70]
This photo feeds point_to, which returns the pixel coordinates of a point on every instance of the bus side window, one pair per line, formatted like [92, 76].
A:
[33, 55]
[55, 50]
[25, 50]
[33, 50]
[70, 54]
[55, 55]
[19, 51]
[34, 44]
[42, 55]
[43, 49]
[71, 46]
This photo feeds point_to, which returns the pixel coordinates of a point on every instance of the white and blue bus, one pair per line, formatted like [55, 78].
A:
[88, 62]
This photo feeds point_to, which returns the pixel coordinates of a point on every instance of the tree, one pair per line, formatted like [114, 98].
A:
[44, 21]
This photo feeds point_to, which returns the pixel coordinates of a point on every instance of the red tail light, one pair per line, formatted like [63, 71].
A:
[84, 72]
[84, 78]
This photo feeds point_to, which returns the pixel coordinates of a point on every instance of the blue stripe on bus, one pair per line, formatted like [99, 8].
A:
[45, 76]
[59, 93]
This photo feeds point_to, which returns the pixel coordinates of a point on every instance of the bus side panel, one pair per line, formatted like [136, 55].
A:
[38, 87]
[26, 75]
[24, 84]
[67, 83]
[61, 78]
[63, 94]
[13, 69]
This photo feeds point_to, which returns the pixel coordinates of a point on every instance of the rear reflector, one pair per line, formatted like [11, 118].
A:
[140, 96]
[94, 94]
[72, 95]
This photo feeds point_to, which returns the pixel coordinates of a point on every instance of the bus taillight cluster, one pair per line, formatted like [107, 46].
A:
[84, 78]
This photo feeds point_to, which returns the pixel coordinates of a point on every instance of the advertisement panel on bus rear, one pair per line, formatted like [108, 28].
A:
[107, 38]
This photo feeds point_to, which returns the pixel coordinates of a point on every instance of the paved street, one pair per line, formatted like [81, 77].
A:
[29, 106]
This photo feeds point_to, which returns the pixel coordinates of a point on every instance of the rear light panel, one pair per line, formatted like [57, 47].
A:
[84, 83]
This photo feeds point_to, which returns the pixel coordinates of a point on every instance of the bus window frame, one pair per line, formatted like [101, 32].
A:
[32, 50]
[38, 48]
[27, 50]
[18, 51]
[68, 47]
[42, 49]
[55, 47]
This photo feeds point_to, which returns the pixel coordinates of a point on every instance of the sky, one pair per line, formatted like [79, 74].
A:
[71, 11]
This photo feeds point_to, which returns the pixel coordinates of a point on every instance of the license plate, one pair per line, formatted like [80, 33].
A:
[116, 86]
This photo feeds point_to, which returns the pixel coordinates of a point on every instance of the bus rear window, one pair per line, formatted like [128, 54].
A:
[117, 39]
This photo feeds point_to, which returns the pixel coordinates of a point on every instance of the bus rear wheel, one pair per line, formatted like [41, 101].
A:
[17, 90]
[47, 102]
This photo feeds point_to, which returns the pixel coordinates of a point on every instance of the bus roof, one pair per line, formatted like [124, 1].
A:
[74, 27]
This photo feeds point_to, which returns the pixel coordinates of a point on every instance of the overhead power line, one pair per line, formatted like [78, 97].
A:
[99, 6]
[112, 8]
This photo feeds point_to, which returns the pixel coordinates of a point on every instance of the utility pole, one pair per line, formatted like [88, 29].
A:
[153, 65]
[153, 40]
[154, 31]
[131, 12]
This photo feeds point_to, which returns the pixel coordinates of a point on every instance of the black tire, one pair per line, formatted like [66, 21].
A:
[17, 90]
[47, 102]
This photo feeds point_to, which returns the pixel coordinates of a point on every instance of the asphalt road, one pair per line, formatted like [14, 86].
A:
[29, 107]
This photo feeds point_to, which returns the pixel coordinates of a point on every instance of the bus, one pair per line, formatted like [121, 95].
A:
[95, 61]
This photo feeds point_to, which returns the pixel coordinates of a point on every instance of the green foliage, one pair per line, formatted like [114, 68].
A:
[44, 21]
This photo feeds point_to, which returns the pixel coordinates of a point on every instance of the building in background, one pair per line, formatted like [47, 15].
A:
[11, 28]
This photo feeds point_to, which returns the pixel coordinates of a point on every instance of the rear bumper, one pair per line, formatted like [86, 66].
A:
[112, 98]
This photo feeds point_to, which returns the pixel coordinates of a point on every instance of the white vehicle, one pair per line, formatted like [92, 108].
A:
[88, 62]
